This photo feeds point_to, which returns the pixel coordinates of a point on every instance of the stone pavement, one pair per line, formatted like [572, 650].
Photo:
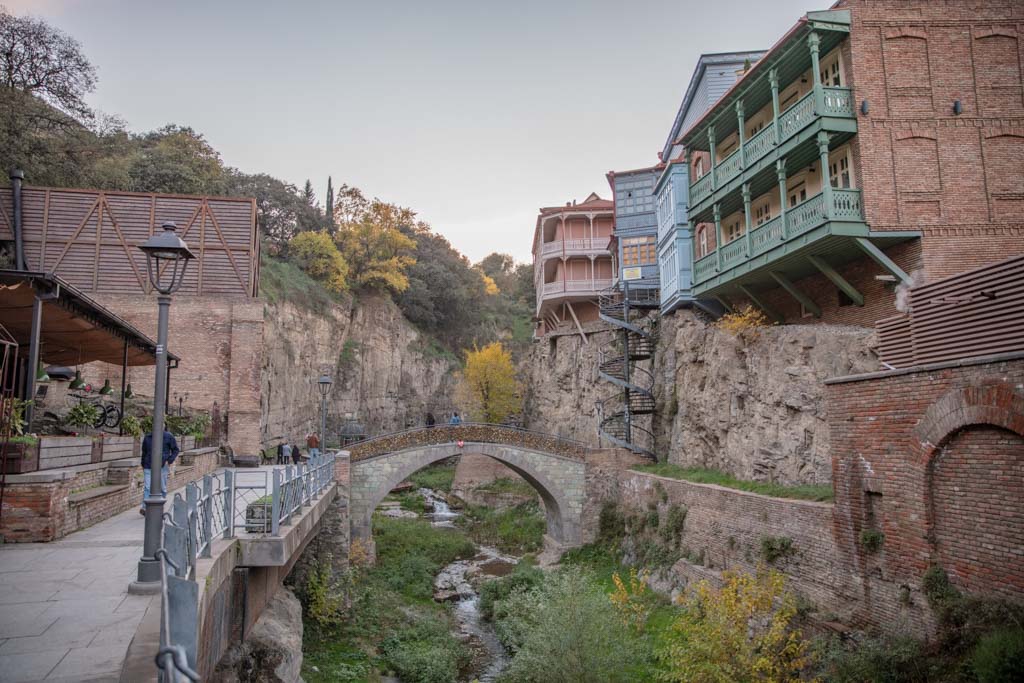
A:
[65, 612]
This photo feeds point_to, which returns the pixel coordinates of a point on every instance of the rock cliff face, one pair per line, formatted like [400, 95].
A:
[384, 371]
[751, 405]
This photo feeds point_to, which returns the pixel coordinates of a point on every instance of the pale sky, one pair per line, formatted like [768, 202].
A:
[472, 113]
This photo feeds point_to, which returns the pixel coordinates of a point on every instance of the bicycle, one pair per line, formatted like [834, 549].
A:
[109, 415]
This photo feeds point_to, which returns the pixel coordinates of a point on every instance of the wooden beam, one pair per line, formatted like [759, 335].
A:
[879, 257]
[768, 311]
[795, 292]
[837, 279]
[577, 321]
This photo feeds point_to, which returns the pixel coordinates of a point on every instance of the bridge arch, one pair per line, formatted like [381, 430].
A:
[559, 477]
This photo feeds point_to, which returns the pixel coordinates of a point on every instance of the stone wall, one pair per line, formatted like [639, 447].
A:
[384, 371]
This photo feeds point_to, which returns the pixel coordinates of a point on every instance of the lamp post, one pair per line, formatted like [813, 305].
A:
[167, 256]
[324, 385]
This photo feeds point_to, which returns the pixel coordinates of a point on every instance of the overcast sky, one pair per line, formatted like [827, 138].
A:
[472, 113]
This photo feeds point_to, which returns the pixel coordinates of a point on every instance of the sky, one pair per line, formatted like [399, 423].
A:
[474, 114]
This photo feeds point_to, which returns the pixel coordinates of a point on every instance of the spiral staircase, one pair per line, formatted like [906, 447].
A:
[625, 308]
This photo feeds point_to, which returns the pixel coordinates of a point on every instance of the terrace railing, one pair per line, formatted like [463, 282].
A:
[467, 432]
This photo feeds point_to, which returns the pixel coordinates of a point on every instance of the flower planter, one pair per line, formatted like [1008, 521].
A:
[258, 516]
[21, 457]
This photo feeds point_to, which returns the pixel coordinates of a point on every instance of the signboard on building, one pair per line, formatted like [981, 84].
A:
[634, 273]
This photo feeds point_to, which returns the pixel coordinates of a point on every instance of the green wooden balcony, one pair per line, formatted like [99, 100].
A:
[829, 109]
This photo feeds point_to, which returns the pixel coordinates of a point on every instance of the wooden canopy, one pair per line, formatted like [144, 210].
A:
[75, 329]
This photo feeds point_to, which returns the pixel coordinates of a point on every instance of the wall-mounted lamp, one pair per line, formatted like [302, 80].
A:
[958, 107]
[864, 108]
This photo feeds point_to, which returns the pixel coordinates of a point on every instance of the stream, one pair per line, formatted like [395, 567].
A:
[457, 583]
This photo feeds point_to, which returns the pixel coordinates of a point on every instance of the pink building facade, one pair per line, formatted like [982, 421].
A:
[572, 263]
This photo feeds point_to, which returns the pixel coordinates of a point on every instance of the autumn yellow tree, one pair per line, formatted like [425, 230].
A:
[378, 252]
[488, 384]
[740, 633]
[316, 253]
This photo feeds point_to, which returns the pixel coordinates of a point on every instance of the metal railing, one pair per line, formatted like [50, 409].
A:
[479, 432]
[217, 507]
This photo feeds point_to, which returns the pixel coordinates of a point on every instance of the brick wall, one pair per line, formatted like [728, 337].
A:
[220, 343]
[932, 457]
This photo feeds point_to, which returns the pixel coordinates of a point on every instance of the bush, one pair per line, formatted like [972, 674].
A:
[871, 540]
[518, 529]
[745, 321]
[131, 426]
[775, 548]
[524, 576]
[567, 630]
[611, 524]
[82, 415]
[883, 659]
[438, 477]
[675, 520]
[324, 598]
[316, 253]
[999, 656]
[423, 652]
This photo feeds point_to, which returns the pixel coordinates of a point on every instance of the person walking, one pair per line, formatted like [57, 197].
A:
[286, 453]
[313, 444]
[296, 455]
[169, 455]
[430, 420]
[280, 454]
[456, 420]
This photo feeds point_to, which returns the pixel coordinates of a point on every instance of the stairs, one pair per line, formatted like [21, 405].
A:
[624, 309]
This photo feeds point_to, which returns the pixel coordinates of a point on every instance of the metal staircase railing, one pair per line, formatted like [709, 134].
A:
[625, 308]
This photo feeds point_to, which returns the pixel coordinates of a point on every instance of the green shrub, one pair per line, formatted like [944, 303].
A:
[999, 656]
[871, 540]
[885, 659]
[776, 548]
[525, 576]
[423, 652]
[131, 426]
[324, 598]
[675, 520]
[438, 477]
[82, 415]
[518, 529]
[652, 519]
[611, 524]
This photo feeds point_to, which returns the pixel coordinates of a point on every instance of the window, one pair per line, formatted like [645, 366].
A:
[698, 167]
[637, 251]
[830, 72]
[763, 212]
[733, 229]
[702, 241]
[797, 194]
[839, 170]
[756, 128]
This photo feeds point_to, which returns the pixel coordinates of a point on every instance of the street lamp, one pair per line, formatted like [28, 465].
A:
[324, 385]
[167, 256]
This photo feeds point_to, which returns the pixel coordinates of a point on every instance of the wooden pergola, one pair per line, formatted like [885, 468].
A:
[61, 325]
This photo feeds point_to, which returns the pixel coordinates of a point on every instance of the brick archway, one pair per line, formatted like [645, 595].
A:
[991, 404]
[559, 480]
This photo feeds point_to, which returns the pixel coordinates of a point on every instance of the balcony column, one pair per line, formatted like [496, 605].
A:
[814, 43]
[742, 133]
[590, 219]
[747, 219]
[773, 80]
[711, 146]
[693, 241]
[780, 174]
[826, 182]
[718, 236]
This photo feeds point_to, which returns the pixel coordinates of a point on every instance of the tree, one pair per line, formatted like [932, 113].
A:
[329, 213]
[308, 194]
[177, 160]
[377, 251]
[489, 384]
[316, 253]
[281, 211]
[741, 632]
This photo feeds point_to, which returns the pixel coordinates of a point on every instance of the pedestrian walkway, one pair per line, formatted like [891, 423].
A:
[65, 612]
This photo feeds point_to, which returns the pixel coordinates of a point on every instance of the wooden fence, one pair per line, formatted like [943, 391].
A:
[976, 313]
[90, 238]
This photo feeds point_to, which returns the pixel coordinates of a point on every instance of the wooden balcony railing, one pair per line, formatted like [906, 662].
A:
[832, 102]
[845, 206]
[575, 246]
[577, 286]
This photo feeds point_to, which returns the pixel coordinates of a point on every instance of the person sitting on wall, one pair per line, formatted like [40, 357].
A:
[313, 444]
[456, 420]
[430, 420]
[170, 454]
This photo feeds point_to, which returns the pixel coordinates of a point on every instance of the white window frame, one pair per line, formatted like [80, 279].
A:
[766, 205]
[832, 66]
[835, 158]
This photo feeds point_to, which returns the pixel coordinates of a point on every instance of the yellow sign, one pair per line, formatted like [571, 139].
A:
[634, 273]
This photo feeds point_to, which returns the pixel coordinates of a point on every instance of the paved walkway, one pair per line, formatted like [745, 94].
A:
[65, 612]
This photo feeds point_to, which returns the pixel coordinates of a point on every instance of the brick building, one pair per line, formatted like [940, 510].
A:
[878, 144]
[90, 239]
[571, 262]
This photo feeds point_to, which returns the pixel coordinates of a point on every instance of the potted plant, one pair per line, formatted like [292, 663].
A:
[22, 452]
[258, 514]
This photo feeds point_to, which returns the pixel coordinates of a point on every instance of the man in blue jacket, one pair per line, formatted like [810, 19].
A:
[170, 454]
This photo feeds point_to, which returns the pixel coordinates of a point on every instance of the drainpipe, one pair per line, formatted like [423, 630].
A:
[17, 177]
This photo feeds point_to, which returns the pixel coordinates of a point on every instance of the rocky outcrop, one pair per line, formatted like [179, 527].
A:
[749, 404]
[561, 385]
[272, 651]
[752, 404]
[385, 372]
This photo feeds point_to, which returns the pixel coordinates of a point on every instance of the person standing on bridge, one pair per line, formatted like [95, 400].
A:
[313, 444]
[170, 454]
[286, 453]
[456, 420]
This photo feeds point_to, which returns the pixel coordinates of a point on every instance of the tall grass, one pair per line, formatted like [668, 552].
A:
[701, 475]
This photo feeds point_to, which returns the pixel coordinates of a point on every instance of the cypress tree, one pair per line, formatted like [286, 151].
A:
[330, 206]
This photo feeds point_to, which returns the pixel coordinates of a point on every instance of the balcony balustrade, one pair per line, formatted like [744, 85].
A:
[575, 246]
[845, 206]
[833, 103]
[587, 286]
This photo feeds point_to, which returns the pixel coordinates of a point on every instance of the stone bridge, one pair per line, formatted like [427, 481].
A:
[556, 468]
